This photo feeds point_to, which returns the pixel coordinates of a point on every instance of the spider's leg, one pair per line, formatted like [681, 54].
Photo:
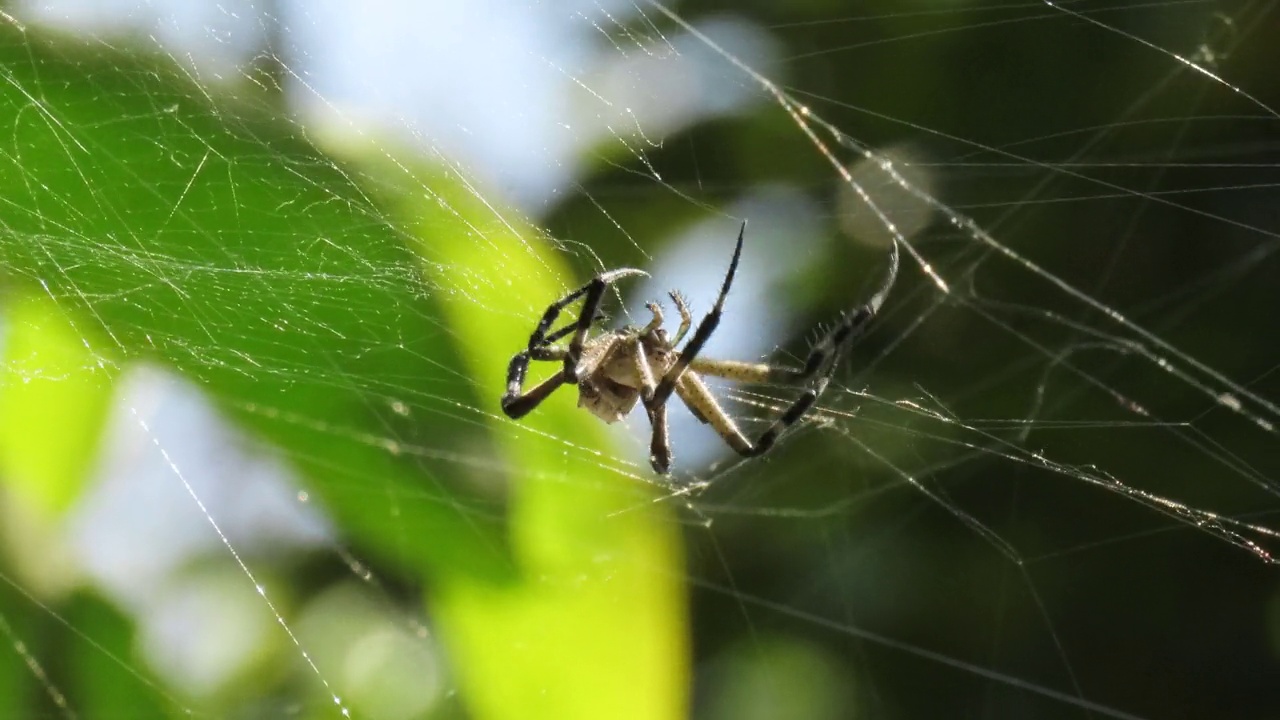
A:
[515, 402]
[557, 336]
[645, 371]
[516, 405]
[698, 398]
[594, 291]
[739, 371]
[705, 328]
[797, 409]
[827, 351]
[660, 443]
[686, 318]
[595, 287]
[822, 362]
[656, 323]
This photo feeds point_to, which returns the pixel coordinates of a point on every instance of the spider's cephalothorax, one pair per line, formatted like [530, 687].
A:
[615, 370]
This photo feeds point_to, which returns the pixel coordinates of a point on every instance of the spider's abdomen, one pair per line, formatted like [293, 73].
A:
[606, 399]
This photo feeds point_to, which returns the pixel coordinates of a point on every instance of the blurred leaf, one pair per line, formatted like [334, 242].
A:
[221, 245]
[54, 398]
[597, 625]
[15, 677]
[107, 681]
[171, 230]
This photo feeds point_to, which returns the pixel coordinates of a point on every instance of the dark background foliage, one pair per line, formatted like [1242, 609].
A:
[1148, 186]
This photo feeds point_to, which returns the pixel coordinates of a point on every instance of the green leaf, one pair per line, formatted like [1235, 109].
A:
[597, 625]
[107, 680]
[54, 398]
[218, 243]
[223, 246]
[17, 686]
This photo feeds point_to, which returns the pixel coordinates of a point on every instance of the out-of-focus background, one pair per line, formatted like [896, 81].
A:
[264, 265]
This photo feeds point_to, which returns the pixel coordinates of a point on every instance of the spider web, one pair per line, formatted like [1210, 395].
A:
[1043, 483]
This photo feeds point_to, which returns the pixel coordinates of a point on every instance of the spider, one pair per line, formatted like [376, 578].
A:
[617, 369]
